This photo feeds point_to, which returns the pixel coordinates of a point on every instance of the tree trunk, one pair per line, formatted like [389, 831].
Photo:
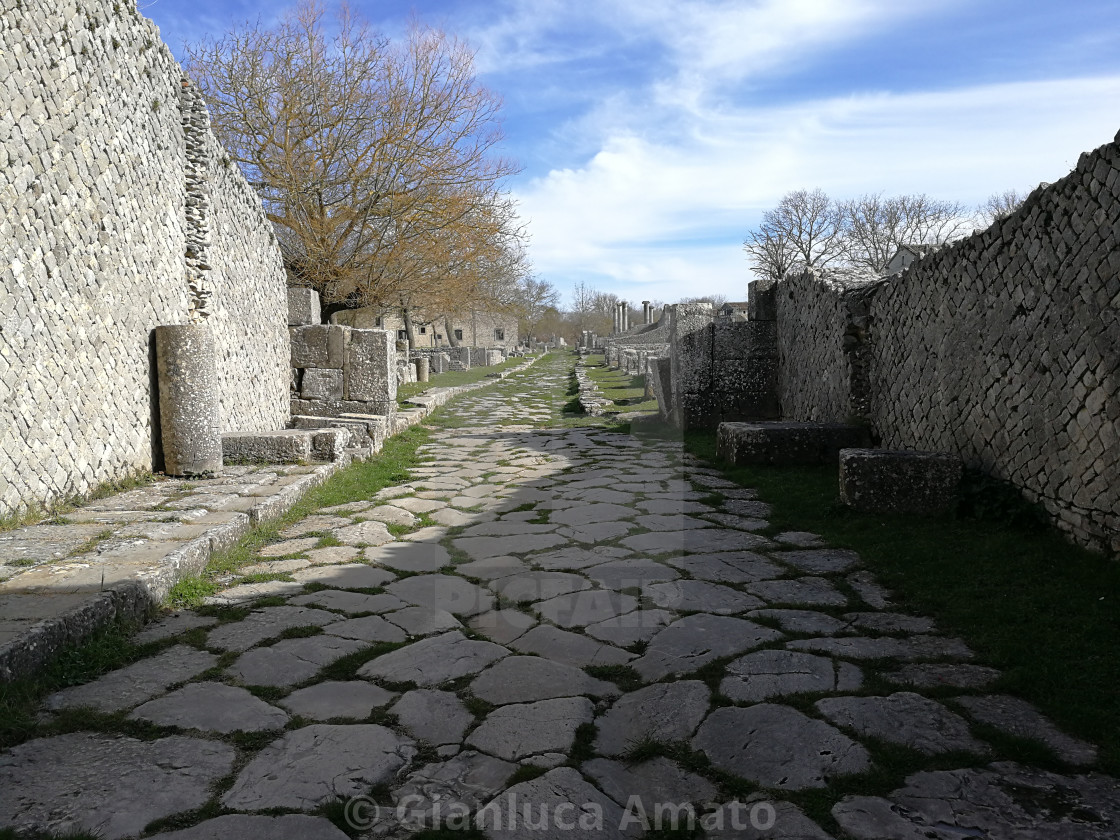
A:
[451, 339]
[409, 327]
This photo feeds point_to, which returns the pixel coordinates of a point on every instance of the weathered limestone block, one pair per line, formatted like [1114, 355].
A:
[365, 430]
[370, 370]
[478, 356]
[286, 446]
[319, 346]
[189, 401]
[899, 481]
[787, 443]
[321, 384]
[494, 357]
[303, 307]
[423, 369]
[329, 444]
[762, 302]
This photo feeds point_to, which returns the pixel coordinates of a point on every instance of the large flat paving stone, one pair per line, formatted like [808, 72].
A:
[352, 603]
[523, 679]
[903, 718]
[778, 747]
[538, 586]
[409, 556]
[579, 609]
[819, 561]
[806, 591]
[631, 628]
[353, 699]
[443, 592]
[108, 785]
[317, 764]
[697, 541]
[291, 661]
[631, 573]
[438, 717]
[1004, 801]
[728, 566]
[368, 628]
[480, 548]
[211, 707]
[695, 640]
[573, 809]
[256, 827]
[503, 626]
[423, 621]
[587, 514]
[764, 674]
[172, 625]
[266, 623]
[134, 684]
[462, 784]
[761, 818]
[570, 648]
[701, 596]
[943, 674]
[492, 568]
[525, 729]
[390, 515]
[435, 660]
[1021, 719]
[370, 532]
[802, 621]
[345, 576]
[914, 647]
[661, 712]
[654, 783]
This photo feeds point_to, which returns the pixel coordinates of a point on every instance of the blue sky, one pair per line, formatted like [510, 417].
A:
[654, 133]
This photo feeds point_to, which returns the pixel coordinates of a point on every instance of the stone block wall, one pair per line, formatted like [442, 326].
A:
[337, 370]
[117, 215]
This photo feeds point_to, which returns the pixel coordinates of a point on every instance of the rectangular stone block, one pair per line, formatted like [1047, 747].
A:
[370, 370]
[899, 481]
[287, 446]
[321, 384]
[762, 303]
[303, 307]
[364, 430]
[319, 346]
[494, 357]
[328, 444]
[744, 340]
[786, 443]
[478, 357]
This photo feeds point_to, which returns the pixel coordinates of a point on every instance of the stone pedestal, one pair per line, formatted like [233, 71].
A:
[422, 369]
[899, 481]
[187, 371]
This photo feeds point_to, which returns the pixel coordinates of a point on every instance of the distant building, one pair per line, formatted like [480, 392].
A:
[907, 254]
[474, 329]
[732, 311]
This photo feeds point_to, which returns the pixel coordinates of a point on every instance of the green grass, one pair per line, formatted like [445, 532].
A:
[453, 378]
[1025, 600]
[626, 391]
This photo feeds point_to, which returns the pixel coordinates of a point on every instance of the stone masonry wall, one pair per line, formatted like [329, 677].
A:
[100, 242]
[1003, 348]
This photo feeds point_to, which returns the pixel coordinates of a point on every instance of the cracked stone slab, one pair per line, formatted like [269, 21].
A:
[409, 556]
[291, 661]
[255, 827]
[390, 515]
[422, 621]
[324, 701]
[579, 609]
[887, 622]
[417, 505]
[706, 541]
[467, 781]
[569, 648]
[345, 576]
[861, 647]
[434, 660]
[743, 523]
[524, 679]
[778, 747]
[937, 675]
[275, 567]
[764, 674]
[1004, 801]
[671, 522]
[1021, 719]
[332, 555]
[503, 626]
[869, 590]
[695, 640]
[492, 568]
[136, 683]
[728, 567]
[283, 549]
[245, 592]
[903, 718]
[582, 515]
[265, 623]
[368, 628]
[801, 539]
[110, 786]
[317, 764]
[370, 532]
[438, 717]
[819, 561]
[654, 783]
[806, 591]
[802, 621]
[747, 507]
[172, 625]
[352, 603]
[660, 712]
[523, 729]
[630, 628]
[631, 573]
[211, 707]
[316, 523]
[571, 558]
[507, 528]
[761, 818]
[480, 548]
[443, 592]
[575, 810]
[701, 595]
[538, 586]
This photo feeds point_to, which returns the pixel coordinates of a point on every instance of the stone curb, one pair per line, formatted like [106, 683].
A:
[134, 600]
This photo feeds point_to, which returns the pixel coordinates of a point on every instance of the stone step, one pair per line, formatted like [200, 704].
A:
[786, 443]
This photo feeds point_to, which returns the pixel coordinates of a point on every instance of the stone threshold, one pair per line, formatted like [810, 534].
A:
[117, 558]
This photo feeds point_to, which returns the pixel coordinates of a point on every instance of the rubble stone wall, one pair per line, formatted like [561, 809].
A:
[113, 200]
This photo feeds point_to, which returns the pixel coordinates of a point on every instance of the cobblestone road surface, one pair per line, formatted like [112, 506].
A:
[582, 632]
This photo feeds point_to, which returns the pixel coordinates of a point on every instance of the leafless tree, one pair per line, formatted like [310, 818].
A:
[805, 230]
[999, 206]
[874, 226]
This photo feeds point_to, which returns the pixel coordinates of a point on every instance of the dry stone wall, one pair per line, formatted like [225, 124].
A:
[116, 212]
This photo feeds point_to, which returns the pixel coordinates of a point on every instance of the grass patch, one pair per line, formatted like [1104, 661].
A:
[1025, 600]
[453, 378]
[625, 677]
[38, 512]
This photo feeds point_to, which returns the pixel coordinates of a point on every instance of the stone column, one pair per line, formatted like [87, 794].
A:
[423, 368]
[617, 319]
[625, 316]
[187, 371]
[646, 311]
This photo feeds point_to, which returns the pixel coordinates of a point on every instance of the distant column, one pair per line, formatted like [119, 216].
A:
[645, 311]
[625, 316]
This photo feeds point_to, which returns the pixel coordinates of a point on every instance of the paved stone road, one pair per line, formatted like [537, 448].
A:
[579, 623]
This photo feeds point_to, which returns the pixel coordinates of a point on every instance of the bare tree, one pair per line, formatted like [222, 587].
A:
[875, 227]
[805, 230]
[536, 300]
[999, 206]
